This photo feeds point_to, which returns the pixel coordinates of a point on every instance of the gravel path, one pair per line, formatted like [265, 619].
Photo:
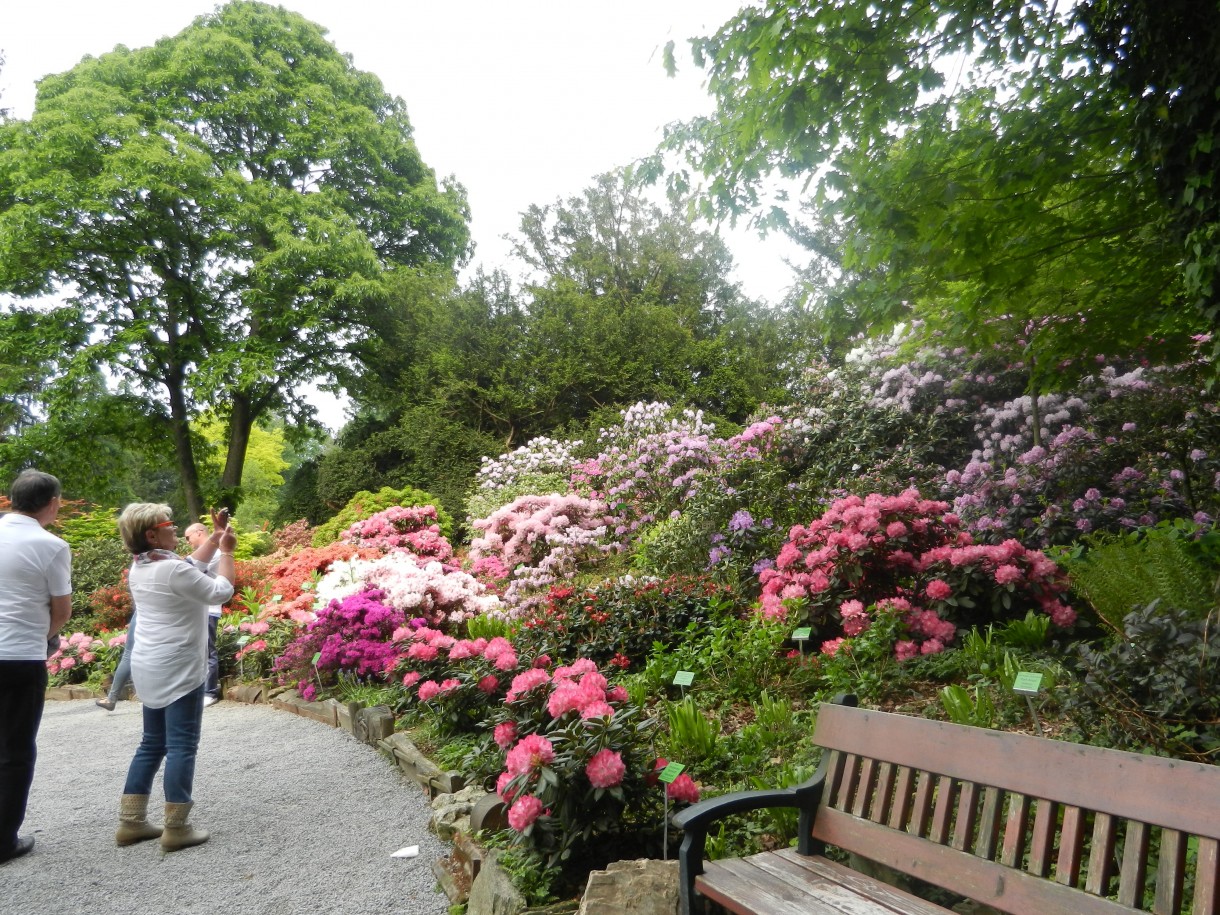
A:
[303, 819]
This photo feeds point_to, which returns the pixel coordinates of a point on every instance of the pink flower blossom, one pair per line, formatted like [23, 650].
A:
[606, 769]
[526, 681]
[505, 734]
[489, 684]
[905, 650]
[1008, 574]
[938, 589]
[831, 647]
[683, 789]
[523, 813]
[411, 678]
[502, 787]
[596, 709]
[533, 752]
[429, 689]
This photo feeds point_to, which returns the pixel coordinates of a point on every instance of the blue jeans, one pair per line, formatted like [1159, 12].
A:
[23, 688]
[213, 681]
[122, 673]
[170, 734]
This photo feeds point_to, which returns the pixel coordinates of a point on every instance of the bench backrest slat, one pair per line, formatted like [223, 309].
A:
[1020, 811]
[1151, 789]
[1207, 878]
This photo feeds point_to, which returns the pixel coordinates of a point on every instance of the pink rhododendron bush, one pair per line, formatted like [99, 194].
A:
[909, 555]
[578, 770]
[415, 529]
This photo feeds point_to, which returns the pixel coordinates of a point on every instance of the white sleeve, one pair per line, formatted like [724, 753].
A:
[188, 581]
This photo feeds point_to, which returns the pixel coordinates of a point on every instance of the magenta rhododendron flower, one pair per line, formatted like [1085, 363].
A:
[502, 784]
[429, 689]
[488, 684]
[523, 812]
[606, 769]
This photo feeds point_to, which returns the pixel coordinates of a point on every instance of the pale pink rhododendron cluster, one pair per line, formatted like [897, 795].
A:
[437, 592]
[538, 541]
[905, 554]
[649, 464]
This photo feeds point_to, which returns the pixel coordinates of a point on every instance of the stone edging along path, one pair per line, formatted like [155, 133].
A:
[470, 874]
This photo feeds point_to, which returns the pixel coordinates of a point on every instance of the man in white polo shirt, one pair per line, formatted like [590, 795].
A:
[35, 603]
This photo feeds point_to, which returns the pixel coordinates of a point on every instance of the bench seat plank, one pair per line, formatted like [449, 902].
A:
[785, 883]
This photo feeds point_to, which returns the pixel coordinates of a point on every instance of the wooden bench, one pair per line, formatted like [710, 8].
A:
[1022, 824]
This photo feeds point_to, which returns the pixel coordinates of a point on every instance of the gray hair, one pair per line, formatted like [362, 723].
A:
[33, 491]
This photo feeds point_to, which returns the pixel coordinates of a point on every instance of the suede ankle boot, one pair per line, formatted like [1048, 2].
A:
[133, 821]
[177, 833]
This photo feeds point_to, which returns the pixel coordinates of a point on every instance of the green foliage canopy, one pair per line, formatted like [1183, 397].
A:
[219, 210]
[959, 164]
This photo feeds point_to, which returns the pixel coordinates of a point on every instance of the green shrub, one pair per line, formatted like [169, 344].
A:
[97, 563]
[365, 504]
[621, 620]
[1155, 687]
[87, 527]
[1135, 570]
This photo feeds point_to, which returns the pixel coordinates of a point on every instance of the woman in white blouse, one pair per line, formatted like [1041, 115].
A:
[169, 664]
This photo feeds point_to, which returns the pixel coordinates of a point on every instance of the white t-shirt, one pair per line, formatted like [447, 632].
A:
[34, 567]
[171, 597]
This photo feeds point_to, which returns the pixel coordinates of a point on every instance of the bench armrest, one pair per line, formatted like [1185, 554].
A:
[695, 821]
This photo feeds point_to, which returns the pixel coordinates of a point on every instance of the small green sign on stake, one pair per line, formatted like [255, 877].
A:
[684, 678]
[803, 634]
[241, 643]
[670, 772]
[317, 656]
[1027, 684]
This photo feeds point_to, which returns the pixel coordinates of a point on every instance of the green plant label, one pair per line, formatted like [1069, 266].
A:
[1027, 684]
[803, 634]
[316, 656]
[684, 678]
[241, 643]
[670, 772]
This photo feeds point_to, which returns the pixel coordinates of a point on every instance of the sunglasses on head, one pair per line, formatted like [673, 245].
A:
[164, 524]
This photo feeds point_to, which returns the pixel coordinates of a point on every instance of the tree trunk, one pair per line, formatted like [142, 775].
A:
[240, 421]
[180, 422]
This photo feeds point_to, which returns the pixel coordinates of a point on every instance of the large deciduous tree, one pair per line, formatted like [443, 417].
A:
[975, 166]
[221, 209]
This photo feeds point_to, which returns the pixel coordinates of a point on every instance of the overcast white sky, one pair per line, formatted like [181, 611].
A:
[523, 101]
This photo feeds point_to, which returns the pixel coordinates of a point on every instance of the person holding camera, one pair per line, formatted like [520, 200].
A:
[171, 595]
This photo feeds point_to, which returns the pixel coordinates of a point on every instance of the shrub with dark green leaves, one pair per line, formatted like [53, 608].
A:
[1157, 688]
[97, 563]
[619, 621]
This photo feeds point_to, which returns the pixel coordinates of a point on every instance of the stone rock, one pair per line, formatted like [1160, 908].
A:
[644, 887]
[450, 822]
[466, 796]
[373, 724]
[492, 893]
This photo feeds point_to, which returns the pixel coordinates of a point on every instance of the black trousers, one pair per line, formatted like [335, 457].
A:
[23, 690]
